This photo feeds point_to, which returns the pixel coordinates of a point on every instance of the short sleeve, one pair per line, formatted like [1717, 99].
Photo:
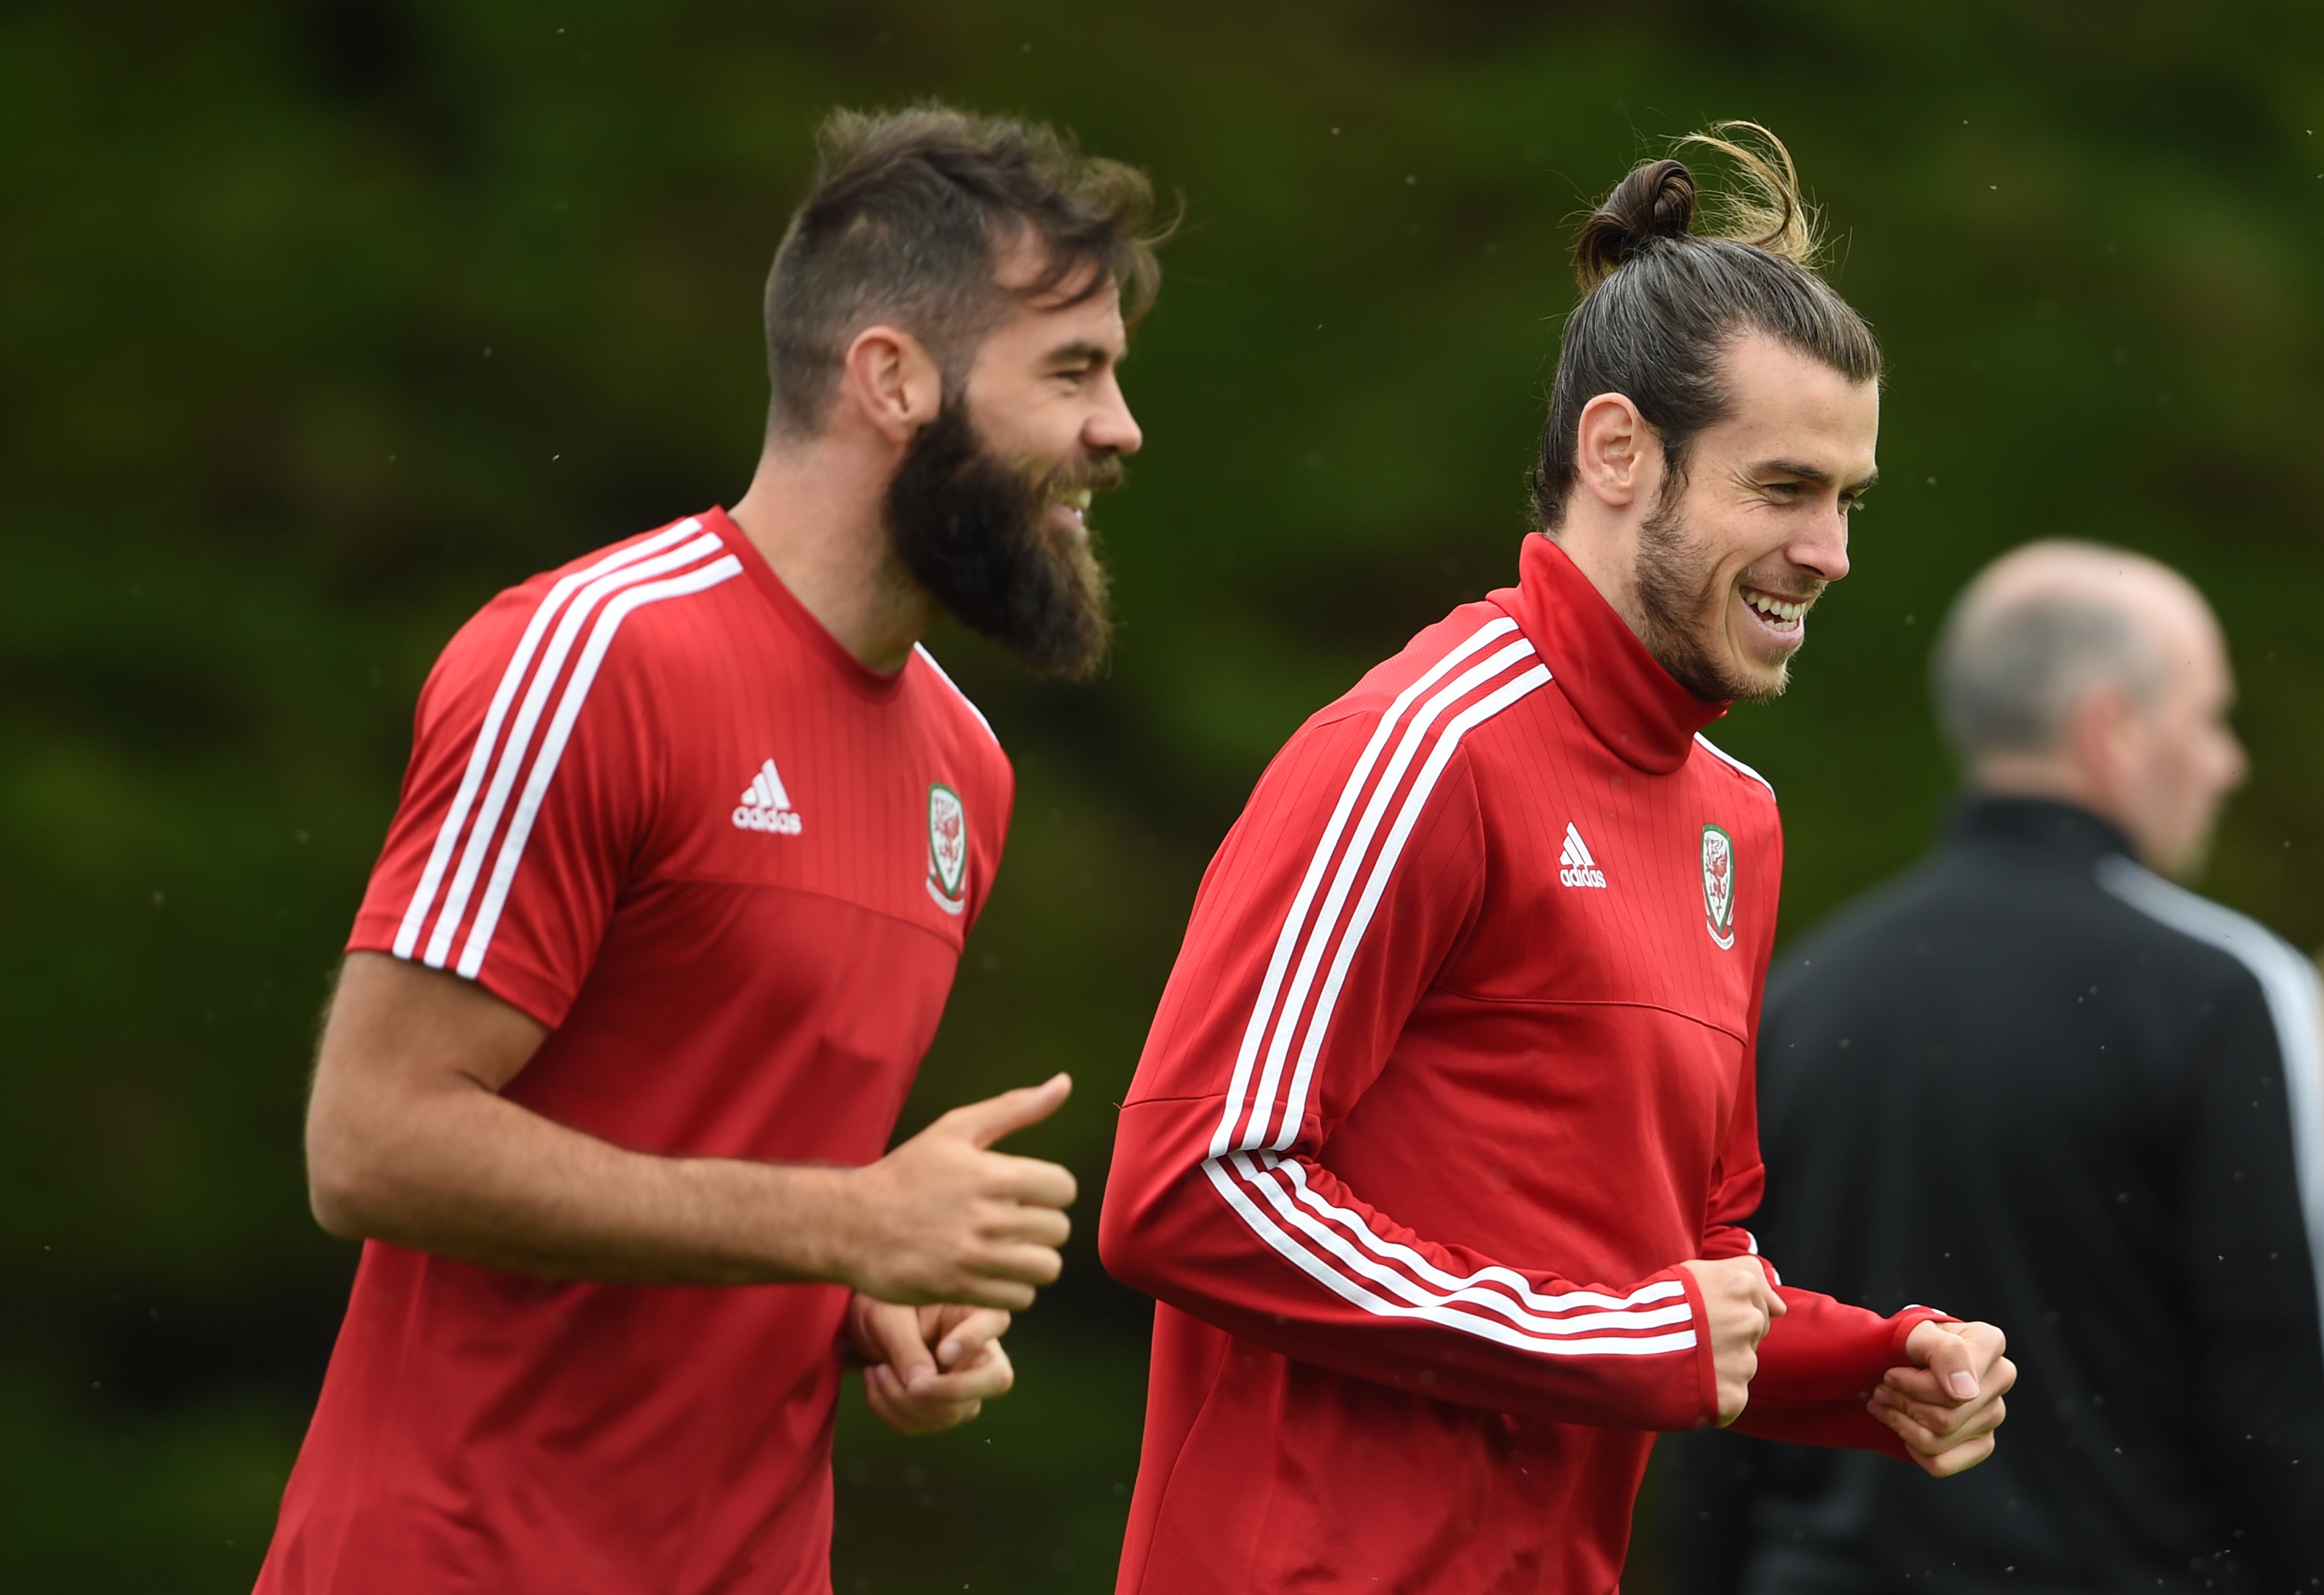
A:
[525, 803]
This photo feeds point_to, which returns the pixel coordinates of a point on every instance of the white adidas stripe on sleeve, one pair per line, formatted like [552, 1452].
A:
[1295, 922]
[620, 582]
[560, 731]
[1263, 1109]
[480, 758]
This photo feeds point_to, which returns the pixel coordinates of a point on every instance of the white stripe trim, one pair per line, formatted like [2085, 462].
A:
[1450, 1287]
[560, 731]
[528, 718]
[1294, 921]
[1447, 742]
[1347, 1289]
[1332, 1244]
[1724, 757]
[1520, 1287]
[2295, 1001]
[930, 661]
[1351, 863]
[480, 756]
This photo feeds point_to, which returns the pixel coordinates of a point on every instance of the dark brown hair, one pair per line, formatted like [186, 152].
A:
[1661, 303]
[903, 222]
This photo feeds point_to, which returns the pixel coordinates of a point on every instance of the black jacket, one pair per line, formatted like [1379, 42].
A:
[2031, 1082]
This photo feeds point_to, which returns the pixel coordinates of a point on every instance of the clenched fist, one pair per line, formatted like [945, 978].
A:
[1741, 1307]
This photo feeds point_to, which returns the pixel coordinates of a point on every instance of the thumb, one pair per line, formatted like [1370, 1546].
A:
[985, 1122]
[1950, 1360]
[896, 1330]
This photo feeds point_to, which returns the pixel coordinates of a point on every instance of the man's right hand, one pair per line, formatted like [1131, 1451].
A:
[943, 1218]
[1741, 1307]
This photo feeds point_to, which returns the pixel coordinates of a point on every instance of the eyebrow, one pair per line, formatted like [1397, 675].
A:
[1810, 474]
[1084, 352]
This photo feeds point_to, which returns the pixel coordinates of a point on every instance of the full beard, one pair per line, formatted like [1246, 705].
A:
[1685, 605]
[975, 532]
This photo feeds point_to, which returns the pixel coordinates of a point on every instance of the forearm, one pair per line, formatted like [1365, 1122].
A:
[465, 1173]
[1284, 1254]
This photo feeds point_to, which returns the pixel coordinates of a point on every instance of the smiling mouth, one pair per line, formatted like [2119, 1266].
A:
[1786, 617]
[1075, 504]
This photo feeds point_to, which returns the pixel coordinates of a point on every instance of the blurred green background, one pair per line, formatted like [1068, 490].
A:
[323, 321]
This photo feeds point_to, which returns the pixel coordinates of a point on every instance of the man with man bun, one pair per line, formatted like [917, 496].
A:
[2134, 1149]
[1440, 1152]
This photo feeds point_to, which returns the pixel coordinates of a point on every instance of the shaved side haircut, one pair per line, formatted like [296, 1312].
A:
[904, 223]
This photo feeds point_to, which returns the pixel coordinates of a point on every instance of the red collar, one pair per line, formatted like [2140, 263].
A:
[1622, 693]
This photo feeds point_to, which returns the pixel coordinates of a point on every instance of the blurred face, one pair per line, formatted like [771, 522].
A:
[989, 509]
[2174, 762]
[1730, 565]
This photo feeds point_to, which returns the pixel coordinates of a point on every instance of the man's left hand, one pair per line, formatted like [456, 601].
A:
[929, 1368]
[1946, 1408]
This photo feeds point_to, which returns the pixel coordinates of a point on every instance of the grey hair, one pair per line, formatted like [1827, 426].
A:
[2007, 672]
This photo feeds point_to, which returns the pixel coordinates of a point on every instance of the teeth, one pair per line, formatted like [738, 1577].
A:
[1078, 500]
[1776, 608]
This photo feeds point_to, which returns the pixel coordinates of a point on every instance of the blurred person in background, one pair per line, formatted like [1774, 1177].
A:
[691, 836]
[2116, 1083]
[1442, 1148]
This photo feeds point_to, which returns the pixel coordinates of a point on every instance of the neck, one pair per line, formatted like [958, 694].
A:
[1604, 547]
[817, 513]
[2031, 775]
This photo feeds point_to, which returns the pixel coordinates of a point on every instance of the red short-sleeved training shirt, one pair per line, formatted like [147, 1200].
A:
[653, 804]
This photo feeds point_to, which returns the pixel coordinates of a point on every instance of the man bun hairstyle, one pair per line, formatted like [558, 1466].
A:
[904, 221]
[1663, 301]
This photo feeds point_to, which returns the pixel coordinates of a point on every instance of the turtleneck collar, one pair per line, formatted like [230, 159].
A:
[1622, 693]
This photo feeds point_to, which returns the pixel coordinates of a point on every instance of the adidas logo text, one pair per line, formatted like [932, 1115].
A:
[766, 806]
[1577, 867]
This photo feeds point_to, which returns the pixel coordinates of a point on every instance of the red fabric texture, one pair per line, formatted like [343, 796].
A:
[1454, 1069]
[720, 980]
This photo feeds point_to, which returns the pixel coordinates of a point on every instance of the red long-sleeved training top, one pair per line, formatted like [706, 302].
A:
[1453, 1070]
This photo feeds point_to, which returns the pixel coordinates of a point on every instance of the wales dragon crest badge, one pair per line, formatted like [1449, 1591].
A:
[947, 848]
[1719, 885]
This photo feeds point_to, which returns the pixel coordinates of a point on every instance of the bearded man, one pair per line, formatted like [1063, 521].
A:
[1440, 1152]
[692, 833]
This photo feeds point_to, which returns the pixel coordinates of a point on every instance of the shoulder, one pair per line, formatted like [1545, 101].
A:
[968, 750]
[1734, 772]
[1738, 782]
[2214, 943]
[953, 705]
[1394, 742]
[561, 625]
[1424, 700]
[1475, 652]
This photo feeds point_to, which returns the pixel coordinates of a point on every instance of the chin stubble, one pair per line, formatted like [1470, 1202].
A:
[1678, 592]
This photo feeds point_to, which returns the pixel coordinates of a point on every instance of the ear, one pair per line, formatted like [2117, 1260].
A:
[1618, 457]
[2100, 731]
[891, 381]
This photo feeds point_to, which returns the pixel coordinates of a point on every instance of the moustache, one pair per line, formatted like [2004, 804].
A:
[1102, 473]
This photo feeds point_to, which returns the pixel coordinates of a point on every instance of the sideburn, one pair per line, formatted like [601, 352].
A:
[1675, 588]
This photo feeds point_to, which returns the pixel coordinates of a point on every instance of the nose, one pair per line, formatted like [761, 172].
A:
[1111, 428]
[1825, 549]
